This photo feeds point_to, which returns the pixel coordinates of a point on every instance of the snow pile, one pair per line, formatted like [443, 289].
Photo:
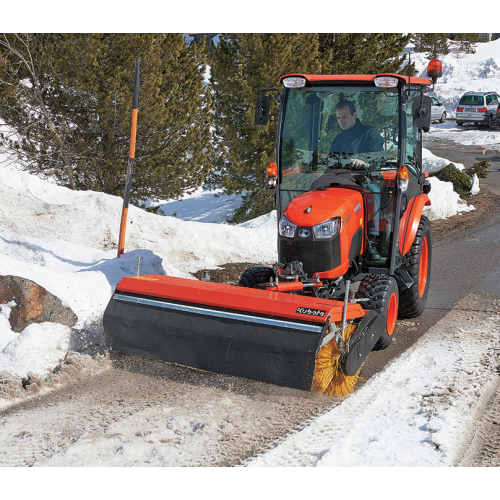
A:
[444, 201]
[432, 163]
[66, 242]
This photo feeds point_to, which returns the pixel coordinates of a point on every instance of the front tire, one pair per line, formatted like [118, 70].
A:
[254, 276]
[417, 262]
[383, 297]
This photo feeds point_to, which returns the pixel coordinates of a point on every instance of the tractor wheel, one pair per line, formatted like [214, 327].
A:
[255, 275]
[443, 117]
[417, 262]
[383, 297]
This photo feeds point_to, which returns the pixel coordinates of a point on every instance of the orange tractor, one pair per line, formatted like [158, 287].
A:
[354, 250]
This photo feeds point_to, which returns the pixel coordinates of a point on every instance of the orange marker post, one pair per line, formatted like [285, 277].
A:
[131, 157]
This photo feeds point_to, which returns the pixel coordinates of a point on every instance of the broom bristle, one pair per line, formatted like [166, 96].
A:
[328, 376]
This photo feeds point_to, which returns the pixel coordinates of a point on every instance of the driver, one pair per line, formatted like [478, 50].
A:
[355, 138]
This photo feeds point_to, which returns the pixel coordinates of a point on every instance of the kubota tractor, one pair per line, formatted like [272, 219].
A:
[354, 250]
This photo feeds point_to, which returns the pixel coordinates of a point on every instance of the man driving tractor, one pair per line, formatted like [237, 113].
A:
[355, 138]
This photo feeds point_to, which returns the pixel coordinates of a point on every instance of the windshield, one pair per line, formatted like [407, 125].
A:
[472, 100]
[336, 128]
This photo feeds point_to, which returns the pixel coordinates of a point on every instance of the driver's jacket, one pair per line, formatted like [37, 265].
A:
[358, 139]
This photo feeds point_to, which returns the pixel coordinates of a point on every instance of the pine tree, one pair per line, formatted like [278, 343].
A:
[466, 41]
[435, 44]
[72, 105]
[362, 53]
[242, 64]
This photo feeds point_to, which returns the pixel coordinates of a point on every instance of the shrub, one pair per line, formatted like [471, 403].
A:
[462, 183]
[479, 168]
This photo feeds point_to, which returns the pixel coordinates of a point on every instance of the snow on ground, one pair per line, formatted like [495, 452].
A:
[468, 72]
[201, 206]
[468, 135]
[66, 242]
[413, 413]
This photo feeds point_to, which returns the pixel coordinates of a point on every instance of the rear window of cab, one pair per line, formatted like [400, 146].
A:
[472, 100]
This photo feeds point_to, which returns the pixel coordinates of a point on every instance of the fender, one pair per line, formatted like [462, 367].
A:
[409, 222]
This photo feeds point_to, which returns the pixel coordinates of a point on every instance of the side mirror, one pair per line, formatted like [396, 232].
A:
[422, 111]
[262, 109]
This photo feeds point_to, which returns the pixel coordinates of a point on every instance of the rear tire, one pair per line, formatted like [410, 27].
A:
[417, 262]
[383, 297]
[253, 276]
[490, 121]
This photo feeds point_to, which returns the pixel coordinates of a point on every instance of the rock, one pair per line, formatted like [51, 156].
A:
[34, 304]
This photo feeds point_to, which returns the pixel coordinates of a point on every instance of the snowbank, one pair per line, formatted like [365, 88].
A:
[468, 72]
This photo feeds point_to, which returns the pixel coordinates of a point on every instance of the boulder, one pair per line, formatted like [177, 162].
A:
[34, 304]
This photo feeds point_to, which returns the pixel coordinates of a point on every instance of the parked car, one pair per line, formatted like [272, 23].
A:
[438, 113]
[498, 115]
[478, 107]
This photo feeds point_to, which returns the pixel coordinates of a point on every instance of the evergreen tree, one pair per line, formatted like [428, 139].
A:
[68, 97]
[435, 44]
[242, 64]
[466, 41]
[362, 53]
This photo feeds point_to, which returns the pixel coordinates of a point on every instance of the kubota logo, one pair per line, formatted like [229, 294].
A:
[304, 233]
[310, 312]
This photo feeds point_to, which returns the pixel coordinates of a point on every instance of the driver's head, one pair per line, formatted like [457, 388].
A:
[346, 114]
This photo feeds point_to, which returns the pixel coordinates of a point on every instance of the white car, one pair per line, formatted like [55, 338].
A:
[438, 113]
[477, 107]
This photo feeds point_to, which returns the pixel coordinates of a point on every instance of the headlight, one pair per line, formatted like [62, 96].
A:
[327, 229]
[286, 228]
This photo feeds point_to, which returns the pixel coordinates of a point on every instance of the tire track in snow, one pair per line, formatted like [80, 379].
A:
[417, 410]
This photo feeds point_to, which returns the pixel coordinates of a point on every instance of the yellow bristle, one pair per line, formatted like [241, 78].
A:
[328, 376]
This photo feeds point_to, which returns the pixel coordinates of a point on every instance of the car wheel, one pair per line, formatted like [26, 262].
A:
[488, 125]
[460, 123]
[443, 117]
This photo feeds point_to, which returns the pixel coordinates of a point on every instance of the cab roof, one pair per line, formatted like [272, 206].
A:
[355, 78]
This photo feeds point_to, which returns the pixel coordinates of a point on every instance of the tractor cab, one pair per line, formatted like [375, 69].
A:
[348, 165]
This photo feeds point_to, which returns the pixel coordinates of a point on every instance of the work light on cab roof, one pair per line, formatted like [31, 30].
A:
[294, 82]
[386, 81]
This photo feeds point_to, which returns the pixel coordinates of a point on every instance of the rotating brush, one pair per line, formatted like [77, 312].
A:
[329, 378]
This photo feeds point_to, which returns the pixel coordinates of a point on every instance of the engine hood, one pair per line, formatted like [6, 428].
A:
[325, 204]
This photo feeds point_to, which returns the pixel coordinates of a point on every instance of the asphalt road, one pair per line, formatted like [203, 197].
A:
[466, 262]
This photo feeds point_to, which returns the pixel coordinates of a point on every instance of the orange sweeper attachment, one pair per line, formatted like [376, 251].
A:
[354, 250]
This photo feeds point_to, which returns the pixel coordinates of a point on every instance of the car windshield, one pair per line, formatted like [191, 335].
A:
[336, 127]
[472, 100]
